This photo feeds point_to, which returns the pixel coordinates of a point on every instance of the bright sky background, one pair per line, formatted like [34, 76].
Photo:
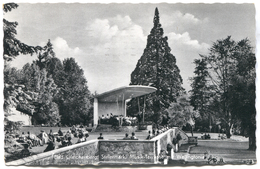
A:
[108, 39]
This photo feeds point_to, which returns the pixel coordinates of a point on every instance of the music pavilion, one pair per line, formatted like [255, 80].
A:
[114, 101]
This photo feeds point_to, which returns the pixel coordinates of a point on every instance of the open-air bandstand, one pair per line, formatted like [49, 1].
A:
[114, 101]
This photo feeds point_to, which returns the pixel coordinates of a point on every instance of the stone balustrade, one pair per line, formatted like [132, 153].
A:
[106, 151]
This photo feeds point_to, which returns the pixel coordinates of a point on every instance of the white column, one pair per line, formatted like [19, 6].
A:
[125, 107]
[95, 116]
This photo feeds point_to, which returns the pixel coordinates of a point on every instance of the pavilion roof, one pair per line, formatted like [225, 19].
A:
[125, 93]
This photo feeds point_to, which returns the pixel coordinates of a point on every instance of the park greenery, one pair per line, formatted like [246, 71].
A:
[51, 91]
[223, 88]
[55, 92]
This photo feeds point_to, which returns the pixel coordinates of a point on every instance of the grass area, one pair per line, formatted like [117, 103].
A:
[228, 149]
[214, 136]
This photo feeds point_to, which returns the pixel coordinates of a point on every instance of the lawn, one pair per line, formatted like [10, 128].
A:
[228, 149]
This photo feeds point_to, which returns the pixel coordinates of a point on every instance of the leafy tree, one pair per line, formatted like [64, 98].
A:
[13, 96]
[74, 97]
[221, 65]
[241, 92]
[14, 93]
[43, 91]
[156, 67]
[181, 113]
[231, 81]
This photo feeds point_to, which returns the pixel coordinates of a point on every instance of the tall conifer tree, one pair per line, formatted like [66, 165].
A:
[157, 68]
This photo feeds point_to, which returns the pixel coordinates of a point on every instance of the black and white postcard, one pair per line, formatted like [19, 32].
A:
[132, 84]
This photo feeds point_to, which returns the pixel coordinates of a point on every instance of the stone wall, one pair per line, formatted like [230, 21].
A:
[184, 136]
[78, 154]
[166, 138]
[127, 151]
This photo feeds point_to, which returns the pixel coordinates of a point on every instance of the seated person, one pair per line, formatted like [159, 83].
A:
[102, 119]
[60, 132]
[73, 129]
[133, 137]
[107, 116]
[51, 146]
[22, 137]
[64, 143]
[35, 140]
[86, 134]
[69, 141]
[81, 138]
[100, 136]
[126, 137]
[25, 152]
[68, 134]
[51, 135]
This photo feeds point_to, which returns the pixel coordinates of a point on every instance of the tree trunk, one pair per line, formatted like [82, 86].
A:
[228, 133]
[191, 130]
[252, 142]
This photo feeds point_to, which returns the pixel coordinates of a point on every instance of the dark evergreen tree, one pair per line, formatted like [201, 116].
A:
[200, 93]
[45, 55]
[12, 46]
[157, 68]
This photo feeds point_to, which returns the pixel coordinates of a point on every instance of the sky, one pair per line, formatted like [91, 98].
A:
[107, 40]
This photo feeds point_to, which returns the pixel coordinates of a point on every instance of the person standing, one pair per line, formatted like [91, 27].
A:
[100, 136]
[149, 135]
[44, 137]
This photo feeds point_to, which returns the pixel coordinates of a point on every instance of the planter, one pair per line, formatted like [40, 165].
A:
[172, 154]
[165, 161]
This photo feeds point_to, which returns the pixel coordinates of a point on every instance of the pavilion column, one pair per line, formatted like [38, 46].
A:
[95, 116]
[123, 105]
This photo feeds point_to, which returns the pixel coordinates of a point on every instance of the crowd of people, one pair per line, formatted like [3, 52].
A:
[155, 132]
[205, 136]
[119, 119]
[133, 137]
[53, 140]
